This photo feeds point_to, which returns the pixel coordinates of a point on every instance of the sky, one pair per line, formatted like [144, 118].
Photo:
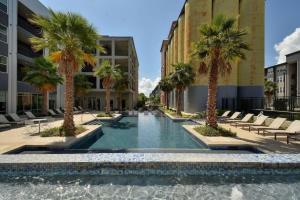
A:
[149, 21]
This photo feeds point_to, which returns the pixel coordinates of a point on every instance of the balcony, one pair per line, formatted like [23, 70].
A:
[26, 50]
[23, 23]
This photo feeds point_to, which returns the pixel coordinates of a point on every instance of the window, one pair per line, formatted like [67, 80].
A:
[3, 33]
[3, 5]
[3, 63]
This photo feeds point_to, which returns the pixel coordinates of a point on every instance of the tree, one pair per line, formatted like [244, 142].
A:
[270, 90]
[109, 75]
[121, 85]
[182, 77]
[166, 86]
[81, 86]
[44, 77]
[141, 100]
[69, 37]
[219, 45]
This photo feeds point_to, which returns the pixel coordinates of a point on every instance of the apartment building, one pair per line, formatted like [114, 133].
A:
[286, 75]
[119, 51]
[16, 53]
[247, 77]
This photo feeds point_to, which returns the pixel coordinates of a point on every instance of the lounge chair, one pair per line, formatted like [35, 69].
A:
[258, 122]
[3, 126]
[225, 114]
[4, 120]
[275, 125]
[292, 130]
[59, 111]
[53, 114]
[245, 119]
[233, 117]
[30, 115]
[16, 118]
[76, 111]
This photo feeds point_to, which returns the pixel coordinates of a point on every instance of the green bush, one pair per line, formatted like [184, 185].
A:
[104, 115]
[59, 132]
[214, 132]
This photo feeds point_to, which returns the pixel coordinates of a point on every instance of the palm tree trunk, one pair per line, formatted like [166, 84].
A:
[167, 100]
[107, 100]
[178, 108]
[45, 103]
[68, 125]
[212, 95]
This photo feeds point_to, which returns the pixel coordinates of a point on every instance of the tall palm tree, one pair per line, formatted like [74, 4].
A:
[166, 86]
[121, 84]
[182, 77]
[270, 90]
[81, 86]
[43, 75]
[220, 43]
[68, 37]
[109, 74]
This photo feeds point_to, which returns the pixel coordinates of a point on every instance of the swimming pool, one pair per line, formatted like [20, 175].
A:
[151, 187]
[142, 132]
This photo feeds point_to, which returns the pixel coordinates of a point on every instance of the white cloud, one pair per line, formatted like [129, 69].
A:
[147, 85]
[290, 44]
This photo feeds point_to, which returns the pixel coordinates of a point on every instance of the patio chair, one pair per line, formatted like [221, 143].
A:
[3, 126]
[76, 111]
[30, 115]
[16, 118]
[258, 122]
[291, 132]
[245, 119]
[59, 111]
[275, 125]
[225, 114]
[53, 114]
[4, 121]
[233, 117]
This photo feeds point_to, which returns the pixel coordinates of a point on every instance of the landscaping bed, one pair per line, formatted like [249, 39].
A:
[214, 132]
[59, 132]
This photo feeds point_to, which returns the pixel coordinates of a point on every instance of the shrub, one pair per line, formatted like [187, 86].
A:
[59, 132]
[214, 132]
[104, 115]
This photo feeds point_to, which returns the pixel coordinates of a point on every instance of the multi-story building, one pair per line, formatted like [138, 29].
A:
[286, 75]
[119, 51]
[247, 76]
[16, 53]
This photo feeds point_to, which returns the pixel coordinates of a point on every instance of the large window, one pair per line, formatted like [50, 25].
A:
[3, 33]
[3, 63]
[107, 45]
[28, 101]
[3, 5]
[3, 101]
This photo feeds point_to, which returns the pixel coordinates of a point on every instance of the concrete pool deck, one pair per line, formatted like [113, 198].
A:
[18, 137]
[266, 144]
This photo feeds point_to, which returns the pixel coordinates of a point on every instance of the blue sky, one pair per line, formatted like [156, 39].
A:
[148, 21]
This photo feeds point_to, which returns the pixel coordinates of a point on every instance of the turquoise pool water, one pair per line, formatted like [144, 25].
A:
[151, 187]
[142, 132]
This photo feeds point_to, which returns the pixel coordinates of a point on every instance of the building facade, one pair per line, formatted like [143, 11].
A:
[16, 53]
[119, 51]
[286, 75]
[247, 77]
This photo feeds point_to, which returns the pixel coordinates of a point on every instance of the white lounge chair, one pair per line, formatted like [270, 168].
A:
[53, 114]
[275, 125]
[4, 120]
[245, 119]
[233, 117]
[291, 132]
[16, 118]
[225, 114]
[258, 122]
[59, 111]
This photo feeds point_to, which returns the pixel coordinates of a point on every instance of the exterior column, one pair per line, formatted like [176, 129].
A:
[12, 56]
[298, 79]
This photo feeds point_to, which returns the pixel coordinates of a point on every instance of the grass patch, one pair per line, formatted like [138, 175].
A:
[214, 132]
[104, 115]
[173, 113]
[59, 132]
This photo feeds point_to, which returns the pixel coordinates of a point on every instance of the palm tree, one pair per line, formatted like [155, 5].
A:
[121, 84]
[68, 37]
[220, 43]
[81, 86]
[109, 75]
[166, 86]
[43, 75]
[270, 90]
[182, 77]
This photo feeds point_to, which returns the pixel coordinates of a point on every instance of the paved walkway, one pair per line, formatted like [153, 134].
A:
[17, 137]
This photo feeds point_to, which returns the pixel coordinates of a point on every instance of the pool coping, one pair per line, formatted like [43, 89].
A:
[115, 117]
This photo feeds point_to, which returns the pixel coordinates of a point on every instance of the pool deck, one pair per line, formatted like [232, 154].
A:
[18, 137]
[266, 144]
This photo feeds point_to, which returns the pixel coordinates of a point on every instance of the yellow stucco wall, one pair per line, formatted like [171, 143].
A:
[250, 15]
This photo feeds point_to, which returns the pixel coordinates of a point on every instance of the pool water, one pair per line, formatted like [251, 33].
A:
[144, 131]
[152, 187]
